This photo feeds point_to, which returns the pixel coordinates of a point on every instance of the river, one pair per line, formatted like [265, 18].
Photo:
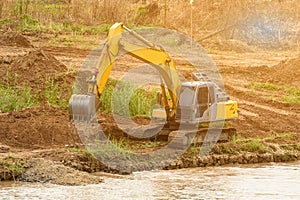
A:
[269, 181]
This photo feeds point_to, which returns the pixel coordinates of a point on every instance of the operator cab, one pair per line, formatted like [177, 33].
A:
[195, 102]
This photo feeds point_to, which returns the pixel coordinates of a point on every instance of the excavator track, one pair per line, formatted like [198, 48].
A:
[185, 138]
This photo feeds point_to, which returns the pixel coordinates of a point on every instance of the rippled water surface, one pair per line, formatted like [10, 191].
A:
[275, 181]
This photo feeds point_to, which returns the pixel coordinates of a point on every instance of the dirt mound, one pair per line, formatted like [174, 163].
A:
[46, 171]
[10, 38]
[39, 127]
[287, 71]
[31, 68]
[39, 71]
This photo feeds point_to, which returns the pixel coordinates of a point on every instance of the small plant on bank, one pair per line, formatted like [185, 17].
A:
[122, 143]
[13, 166]
[83, 151]
[291, 147]
[253, 145]
[226, 149]
[111, 148]
[14, 96]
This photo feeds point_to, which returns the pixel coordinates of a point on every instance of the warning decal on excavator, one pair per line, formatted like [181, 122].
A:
[227, 110]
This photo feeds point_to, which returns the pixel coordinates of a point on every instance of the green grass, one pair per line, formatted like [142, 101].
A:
[4, 21]
[261, 85]
[23, 23]
[68, 43]
[113, 148]
[13, 165]
[253, 145]
[140, 102]
[236, 146]
[279, 136]
[55, 96]
[224, 149]
[286, 94]
[292, 95]
[77, 40]
[70, 27]
[16, 98]
[146, 144]
[121, 144]
[258, 145]
[26, 23]
[249, 144]
[291, 147]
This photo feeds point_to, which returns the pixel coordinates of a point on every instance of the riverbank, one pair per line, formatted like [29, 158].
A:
[75, 166]
[274, 181]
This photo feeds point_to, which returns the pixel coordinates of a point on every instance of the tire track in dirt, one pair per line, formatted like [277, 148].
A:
[264, 122]
[70, 52]
[259, 117]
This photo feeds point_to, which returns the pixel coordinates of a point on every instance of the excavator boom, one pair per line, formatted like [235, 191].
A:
[81, 105]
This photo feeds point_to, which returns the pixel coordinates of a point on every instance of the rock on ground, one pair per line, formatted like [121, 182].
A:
[46, 171]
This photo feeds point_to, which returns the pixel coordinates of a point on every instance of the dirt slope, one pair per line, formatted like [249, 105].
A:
[287, 72]
[10, 38]
[42, 126]
[260, 114]
[39, 127]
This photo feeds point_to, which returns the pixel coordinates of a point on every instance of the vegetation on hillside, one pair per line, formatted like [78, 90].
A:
[248, 20]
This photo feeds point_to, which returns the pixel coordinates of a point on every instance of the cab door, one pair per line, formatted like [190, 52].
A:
[203, 102]
[185, 111]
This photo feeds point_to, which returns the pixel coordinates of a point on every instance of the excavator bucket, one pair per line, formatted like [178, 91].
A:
[82, 108]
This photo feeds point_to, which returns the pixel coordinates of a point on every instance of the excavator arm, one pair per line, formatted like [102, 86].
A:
[81, 106]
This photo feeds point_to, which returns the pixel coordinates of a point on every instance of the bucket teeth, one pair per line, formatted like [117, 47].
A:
[82, 108]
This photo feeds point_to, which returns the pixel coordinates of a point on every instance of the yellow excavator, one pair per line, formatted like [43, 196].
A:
[199, 101]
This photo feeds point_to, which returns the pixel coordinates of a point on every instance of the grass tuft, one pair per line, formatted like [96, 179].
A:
[13, 166]
[55, 96]
[286, 94]
[140, 101]
[260, 85]
[253, 145]
[16, 98]
[292, 95]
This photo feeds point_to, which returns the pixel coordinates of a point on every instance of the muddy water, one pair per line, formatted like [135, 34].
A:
[273, 181]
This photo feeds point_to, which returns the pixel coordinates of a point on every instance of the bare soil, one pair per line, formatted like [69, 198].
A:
[10, 38]
[38, 127]
[260, 114]
[42, 126]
